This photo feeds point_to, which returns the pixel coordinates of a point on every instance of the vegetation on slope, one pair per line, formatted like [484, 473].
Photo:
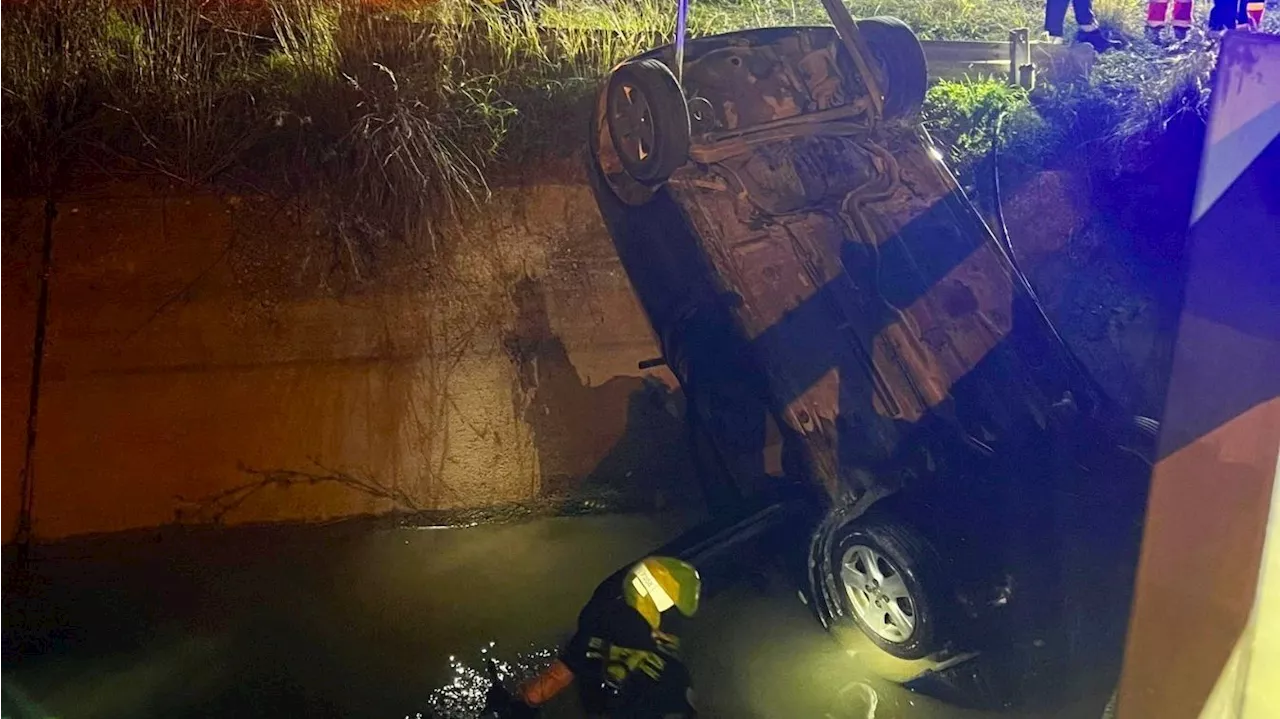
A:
[388, 116]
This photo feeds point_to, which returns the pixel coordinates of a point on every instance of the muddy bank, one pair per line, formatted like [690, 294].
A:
[1113, 291]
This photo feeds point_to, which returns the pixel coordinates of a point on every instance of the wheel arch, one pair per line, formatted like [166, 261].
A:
[822, 588]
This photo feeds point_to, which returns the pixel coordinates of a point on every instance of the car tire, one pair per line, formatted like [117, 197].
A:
[648, 120]
[903, 68]
[907, 613]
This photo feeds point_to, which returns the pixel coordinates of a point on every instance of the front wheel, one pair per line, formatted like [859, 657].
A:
[881, 575]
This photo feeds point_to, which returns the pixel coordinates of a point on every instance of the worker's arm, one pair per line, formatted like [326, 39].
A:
[550, 682]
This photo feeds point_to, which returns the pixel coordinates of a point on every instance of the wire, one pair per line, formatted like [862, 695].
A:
[995, 186]
[1007, 245]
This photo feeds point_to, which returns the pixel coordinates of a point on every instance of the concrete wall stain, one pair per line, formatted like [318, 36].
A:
[548, 394]
[23, 224]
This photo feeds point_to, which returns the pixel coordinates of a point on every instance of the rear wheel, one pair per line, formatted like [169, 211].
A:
[904, 73]
[648, 120]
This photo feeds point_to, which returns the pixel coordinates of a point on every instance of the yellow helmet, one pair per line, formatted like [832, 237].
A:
[655, 584]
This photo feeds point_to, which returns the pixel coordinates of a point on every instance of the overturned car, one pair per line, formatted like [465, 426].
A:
[822, 288]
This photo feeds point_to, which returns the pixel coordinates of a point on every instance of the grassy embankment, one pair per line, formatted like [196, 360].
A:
[387, 116]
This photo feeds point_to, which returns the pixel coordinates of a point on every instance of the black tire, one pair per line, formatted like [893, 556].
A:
[648, 120]
[620, 191]
[908, 554]
[903, 69]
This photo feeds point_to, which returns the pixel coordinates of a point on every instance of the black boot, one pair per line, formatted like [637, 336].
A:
[1100, 42]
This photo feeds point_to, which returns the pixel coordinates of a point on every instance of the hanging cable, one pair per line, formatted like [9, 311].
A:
[1007, 245]
[996, 133]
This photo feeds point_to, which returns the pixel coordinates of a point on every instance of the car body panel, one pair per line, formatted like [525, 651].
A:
[859, 282]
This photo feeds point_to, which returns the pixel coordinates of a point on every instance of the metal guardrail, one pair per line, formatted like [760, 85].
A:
[955, 59]
[1018, 60]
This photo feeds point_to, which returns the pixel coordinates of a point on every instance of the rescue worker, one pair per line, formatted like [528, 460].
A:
[625, 655]
[1158, 16]
[1055, 16]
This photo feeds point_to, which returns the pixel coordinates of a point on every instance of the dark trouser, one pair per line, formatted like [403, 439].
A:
[1226, 14]
[1055, 14]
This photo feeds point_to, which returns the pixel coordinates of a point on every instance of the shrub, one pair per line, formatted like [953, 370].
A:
[964, 115]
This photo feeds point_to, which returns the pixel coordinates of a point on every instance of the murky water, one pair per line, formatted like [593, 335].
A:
[391, 623]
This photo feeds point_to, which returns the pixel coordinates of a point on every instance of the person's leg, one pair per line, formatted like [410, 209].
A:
[1242, 15]
[1055, 15]
[1181, 18]
[1157, 13]
[1089, 31]
[1157, 18]
[1222, 16]
[1084, 15]
[1254, 10]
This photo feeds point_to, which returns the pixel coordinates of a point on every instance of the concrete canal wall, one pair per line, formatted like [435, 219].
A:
[209, 356]
[214, 358]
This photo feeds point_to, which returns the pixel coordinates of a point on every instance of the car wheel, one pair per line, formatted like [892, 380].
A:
[903, 68]
[881, 575]
[648, 120]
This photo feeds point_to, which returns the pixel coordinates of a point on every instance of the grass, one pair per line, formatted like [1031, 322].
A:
[386, 116]
[384, 121]
[962, 116]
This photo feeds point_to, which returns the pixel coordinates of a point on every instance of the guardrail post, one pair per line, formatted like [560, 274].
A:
[1027, 76]
[1021, 72]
